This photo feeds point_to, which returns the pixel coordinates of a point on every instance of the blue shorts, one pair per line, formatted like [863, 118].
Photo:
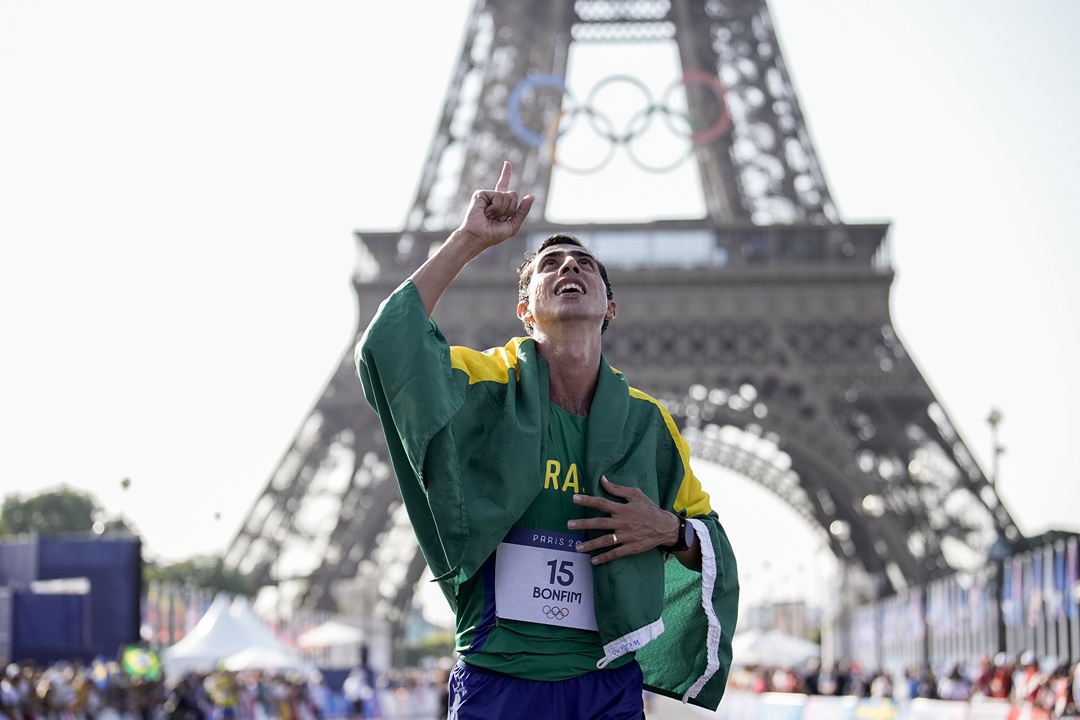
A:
[481, 694]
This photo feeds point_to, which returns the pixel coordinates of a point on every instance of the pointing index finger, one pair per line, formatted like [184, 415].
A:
[504, 177]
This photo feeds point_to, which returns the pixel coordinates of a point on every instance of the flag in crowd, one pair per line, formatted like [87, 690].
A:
[1017, 588]
[1056, 608]
[1071, 577]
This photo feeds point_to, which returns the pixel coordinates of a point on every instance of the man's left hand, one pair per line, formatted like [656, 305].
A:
[635, 525]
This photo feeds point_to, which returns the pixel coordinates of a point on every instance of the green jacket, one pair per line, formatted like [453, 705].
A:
[466, 432]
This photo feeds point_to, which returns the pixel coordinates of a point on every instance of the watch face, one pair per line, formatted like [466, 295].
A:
[687, 534]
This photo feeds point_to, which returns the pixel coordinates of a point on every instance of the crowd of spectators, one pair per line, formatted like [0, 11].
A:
[1051, 687]
[103, 691]
[73, 691]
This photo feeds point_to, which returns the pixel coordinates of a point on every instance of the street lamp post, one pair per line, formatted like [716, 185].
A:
[1000, 550]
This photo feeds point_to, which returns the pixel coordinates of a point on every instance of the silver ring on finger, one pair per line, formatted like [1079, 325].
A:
[614, 539]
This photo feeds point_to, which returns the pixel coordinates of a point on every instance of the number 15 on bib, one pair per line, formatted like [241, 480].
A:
[539, 578]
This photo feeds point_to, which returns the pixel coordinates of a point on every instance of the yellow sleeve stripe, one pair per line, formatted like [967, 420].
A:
[691, 498]
[489, 366]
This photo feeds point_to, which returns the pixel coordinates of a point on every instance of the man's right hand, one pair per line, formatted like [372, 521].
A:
[495, 216]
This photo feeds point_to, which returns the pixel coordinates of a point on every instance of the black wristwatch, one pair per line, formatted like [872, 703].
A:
[686, 535]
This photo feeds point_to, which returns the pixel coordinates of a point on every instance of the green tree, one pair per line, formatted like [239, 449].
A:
[54, 512]
[65, 510]
[206, 571]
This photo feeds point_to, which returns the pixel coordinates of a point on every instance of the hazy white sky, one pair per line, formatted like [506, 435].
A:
[179, 183]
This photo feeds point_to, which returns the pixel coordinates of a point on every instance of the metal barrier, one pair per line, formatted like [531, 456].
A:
[744, 705]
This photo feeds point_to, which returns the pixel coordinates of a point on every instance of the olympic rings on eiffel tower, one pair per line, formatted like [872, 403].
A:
[604, 127]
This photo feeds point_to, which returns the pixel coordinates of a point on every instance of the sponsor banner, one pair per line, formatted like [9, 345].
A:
[746, 705]
[986, 709]
[925, 709]
[822, 707]
[738, 705]
[781, 706]
[875, 709]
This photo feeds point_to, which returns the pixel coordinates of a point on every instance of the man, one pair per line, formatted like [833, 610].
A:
[546, 494]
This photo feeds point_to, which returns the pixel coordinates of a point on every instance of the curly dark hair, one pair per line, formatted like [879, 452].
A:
[525, 271]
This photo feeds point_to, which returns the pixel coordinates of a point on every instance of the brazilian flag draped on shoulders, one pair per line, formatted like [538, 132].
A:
[466, 432]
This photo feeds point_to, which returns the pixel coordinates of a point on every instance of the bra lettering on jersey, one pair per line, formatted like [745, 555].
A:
[554, 473]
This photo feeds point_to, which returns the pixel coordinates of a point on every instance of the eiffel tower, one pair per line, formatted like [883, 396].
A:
[762, 324]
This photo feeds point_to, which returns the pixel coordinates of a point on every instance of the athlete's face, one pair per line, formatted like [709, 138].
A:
[566, 285]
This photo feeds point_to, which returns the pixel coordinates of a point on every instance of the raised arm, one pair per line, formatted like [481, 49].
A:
[494, 216]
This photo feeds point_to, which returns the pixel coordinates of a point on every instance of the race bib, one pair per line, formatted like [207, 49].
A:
[540, 579]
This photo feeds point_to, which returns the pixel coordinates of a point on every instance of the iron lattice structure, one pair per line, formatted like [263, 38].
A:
[763, 326]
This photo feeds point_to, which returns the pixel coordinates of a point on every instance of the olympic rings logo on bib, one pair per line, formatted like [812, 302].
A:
[604, 127]
[556, 613]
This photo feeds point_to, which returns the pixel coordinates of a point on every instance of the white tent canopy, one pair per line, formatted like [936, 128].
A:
[330, 634]
[227, 628]
[260, 657]
[772, 648]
